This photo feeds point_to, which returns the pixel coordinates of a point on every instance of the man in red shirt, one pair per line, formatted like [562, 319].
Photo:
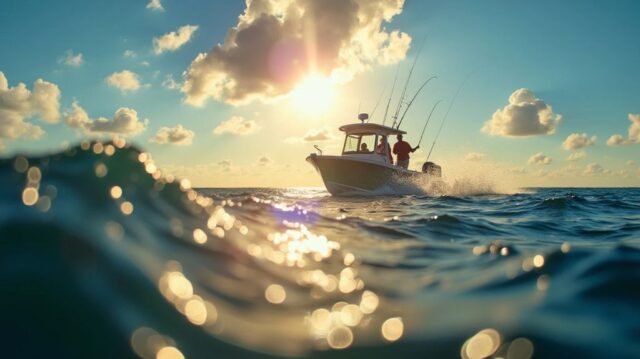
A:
[402, 149]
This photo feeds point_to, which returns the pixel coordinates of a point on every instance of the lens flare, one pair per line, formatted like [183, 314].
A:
[314, 95]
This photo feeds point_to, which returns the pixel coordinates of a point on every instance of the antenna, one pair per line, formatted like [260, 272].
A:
[391, 94]
[404, 90]
[413, 99]
[376, 106]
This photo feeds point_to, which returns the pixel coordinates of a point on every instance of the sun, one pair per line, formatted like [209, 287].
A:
[315, 94]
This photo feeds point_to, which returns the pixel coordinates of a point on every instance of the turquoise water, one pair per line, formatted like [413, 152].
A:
[101, 256]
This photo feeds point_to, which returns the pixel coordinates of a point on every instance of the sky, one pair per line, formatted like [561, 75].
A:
[236, 94]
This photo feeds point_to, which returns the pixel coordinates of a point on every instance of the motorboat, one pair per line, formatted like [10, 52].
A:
[365, 166]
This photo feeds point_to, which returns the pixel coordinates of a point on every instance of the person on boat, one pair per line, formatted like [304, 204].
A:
[383, 148]
[402, 150]
[364, 148]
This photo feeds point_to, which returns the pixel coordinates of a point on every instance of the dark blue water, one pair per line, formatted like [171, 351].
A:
[154, 269]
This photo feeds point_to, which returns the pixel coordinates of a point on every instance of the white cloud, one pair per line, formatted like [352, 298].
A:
[236, 125]
[173, 40]
[18, 104]
[518, 171]
[124, 80]
[568, 170]
[525, 115]
[130, 54]
[125, 121]
[541, 173]
[576, 140]
[634, 128]
[264, 161]
[277, 43]
[313, 135]
[71, 59]
[539, 159]
[155, 5]
[616, 140]
[593, 169]
[576, 156]
[174, 135]
[170, 83]
[633, 133]
[623, 173]
[474, 157]
[225, 165]
[317, 135]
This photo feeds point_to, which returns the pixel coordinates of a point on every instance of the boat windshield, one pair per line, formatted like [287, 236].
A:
[365, 143]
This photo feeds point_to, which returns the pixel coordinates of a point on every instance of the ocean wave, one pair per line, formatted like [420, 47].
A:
[101, 255]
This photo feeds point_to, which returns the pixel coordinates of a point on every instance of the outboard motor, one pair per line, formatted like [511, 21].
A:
[432, 169]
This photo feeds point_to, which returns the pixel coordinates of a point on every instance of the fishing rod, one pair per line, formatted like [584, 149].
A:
[445, 115]
[428, 119]
[413, 99]
[376, 106]
[391, 94]
[406, 85]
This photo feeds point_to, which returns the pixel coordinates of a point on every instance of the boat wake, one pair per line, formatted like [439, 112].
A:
[457, 187]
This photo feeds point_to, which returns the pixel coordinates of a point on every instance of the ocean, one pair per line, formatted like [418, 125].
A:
[102, 256]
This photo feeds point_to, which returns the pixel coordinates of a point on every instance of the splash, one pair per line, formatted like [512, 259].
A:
[458, 187]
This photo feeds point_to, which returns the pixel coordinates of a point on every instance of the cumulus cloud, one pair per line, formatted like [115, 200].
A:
[541, 173]
[18, 104]
[174, 135]
[225, 165]
[525, 115]
[71, 59]
[236, 125]
[124, 81]
[539, 159]
[130, 54]
[317, 135]
[576, 140]
[313, 135]
[633, 133]
[616, 140]
[155, 5]
[593, 169]
[518, 171]
[474, 157]
[634, 128]
[170, 83]
[264, 161]
[623, 173]
[277, 43]
[576, 156]
[173, 40]
[125, 121]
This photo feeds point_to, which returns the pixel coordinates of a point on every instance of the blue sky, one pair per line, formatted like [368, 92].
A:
[579, 58]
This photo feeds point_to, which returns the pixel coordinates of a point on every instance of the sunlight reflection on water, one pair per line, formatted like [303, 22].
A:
[272, 272]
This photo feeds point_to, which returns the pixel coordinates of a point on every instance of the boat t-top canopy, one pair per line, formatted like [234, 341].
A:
[370, 128]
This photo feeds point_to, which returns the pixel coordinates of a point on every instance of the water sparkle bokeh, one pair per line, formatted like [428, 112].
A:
[102, 255]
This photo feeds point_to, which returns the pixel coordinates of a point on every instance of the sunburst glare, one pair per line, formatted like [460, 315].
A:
[315, 94]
